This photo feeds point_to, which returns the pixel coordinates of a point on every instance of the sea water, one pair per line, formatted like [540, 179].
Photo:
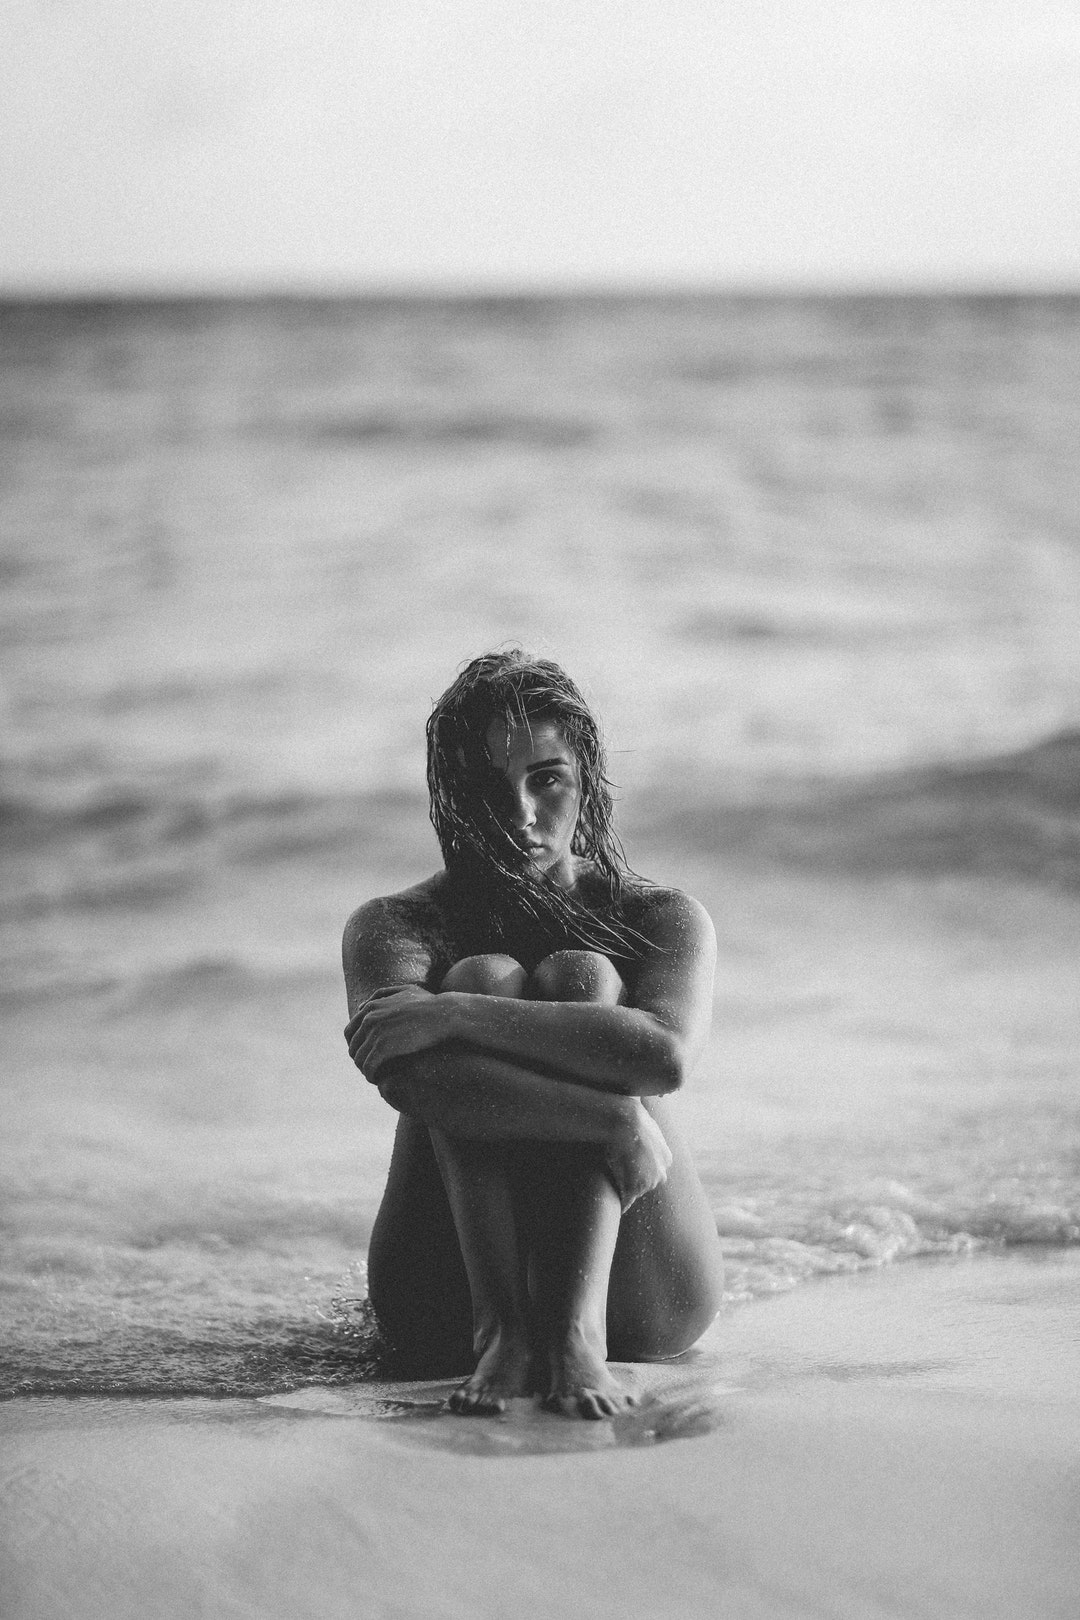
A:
[816, 563]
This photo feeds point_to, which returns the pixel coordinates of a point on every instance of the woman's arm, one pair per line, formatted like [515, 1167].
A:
[387, 943]
[639, 1050]
[474, 1096]
[481, 1098]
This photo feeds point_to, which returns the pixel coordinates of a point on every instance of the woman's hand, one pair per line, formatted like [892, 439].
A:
[395, 1021]
[639, 1158]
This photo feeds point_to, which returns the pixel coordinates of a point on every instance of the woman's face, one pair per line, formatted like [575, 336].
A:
[541, 773]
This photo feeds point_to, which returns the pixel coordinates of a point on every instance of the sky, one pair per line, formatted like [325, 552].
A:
[206, 145]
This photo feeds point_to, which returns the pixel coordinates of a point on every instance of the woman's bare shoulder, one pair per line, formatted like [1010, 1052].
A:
[666, 916]
[397, 938]
[417, 908]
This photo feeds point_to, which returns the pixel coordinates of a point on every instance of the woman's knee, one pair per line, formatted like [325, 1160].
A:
[577, 976]
[486, 976]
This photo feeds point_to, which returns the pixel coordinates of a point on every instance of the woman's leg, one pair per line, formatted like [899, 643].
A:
[658, 1269]
[573, 1214]
[417, 1276]
[417, 1279]
[552, 1194]
[667, 1276]
[478, 1177]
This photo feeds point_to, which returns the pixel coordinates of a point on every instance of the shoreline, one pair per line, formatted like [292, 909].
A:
[895, 1443]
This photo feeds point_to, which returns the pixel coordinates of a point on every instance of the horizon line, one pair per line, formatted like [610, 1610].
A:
[524, 290]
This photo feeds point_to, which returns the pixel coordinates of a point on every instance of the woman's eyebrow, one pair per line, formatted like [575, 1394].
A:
[542, 764]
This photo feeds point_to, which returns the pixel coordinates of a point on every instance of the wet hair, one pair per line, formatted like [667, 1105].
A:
[495, 893]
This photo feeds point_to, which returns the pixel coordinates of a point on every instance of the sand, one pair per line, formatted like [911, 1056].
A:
[862, 1447]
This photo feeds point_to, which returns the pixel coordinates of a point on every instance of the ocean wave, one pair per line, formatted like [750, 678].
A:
[885, 1223]
[268, 1356]
[167, 813]
[412, 429]
[201, 979]
[219, 1335]
[1016, 814]
[197, 981]
[142, 847]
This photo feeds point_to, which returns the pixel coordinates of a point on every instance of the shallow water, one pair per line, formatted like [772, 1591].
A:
[816, 562]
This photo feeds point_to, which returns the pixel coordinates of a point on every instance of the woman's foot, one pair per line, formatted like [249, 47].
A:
[501, 1373]
[579, 1383]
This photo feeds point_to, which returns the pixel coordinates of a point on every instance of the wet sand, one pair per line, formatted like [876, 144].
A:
[898, 1443]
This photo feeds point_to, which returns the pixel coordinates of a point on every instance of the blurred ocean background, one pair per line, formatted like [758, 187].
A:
[817, 562]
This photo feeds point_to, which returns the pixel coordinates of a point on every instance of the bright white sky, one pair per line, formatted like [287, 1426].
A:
[375, 143]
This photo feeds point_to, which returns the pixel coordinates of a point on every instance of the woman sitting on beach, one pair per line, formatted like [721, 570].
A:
[526, 1010]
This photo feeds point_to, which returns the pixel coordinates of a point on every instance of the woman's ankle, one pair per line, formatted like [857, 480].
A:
[499, 1327]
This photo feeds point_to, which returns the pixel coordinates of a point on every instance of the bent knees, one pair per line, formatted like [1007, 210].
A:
[577, 976]
[562, 976]
[486, 976]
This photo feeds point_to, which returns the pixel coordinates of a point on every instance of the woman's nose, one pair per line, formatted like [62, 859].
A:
[523, 813]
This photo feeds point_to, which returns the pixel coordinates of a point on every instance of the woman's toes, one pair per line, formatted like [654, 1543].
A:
[593, 1406]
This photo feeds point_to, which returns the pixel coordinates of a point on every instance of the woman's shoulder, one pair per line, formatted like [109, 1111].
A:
[416, 911]
[396, 939]
[664, 915]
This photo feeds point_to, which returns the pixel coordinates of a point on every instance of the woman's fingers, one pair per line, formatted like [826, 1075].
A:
[356, 1022]
[367, 1044]
[640, 1162]
[374, 1046]
[377, 996]
[392, 1022]
[369, 1057]
[359, 1037]
[358, 1029]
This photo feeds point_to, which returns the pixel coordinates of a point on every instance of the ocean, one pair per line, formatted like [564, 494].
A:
[816, 562]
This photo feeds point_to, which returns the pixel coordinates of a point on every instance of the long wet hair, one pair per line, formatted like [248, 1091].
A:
[497, 899]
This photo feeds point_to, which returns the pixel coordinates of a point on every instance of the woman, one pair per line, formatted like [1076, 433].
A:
[527, 1010]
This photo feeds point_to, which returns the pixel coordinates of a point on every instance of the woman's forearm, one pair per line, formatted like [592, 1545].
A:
[614, 1049]
[480, 1096]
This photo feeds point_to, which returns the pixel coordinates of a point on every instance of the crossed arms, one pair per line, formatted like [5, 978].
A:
[398, 1024]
